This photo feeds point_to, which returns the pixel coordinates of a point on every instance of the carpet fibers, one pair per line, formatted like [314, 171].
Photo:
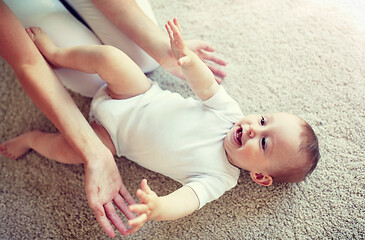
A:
[303, 57]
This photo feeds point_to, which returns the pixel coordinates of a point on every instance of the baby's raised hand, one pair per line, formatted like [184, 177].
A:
[178, 46]
[147, 209]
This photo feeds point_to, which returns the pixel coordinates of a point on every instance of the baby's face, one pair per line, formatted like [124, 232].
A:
[263, 143]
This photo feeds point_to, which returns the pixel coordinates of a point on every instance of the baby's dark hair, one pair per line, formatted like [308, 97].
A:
[309, 149]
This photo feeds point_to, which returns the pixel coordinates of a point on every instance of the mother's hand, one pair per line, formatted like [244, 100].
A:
[205, 52]
[104, 186]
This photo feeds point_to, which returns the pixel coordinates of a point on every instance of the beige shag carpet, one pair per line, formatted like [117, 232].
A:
[304, 57]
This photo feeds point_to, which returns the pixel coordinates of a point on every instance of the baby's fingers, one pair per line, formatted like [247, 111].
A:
[133, 230]
[172, 26]
[169, 31]
[143, 197]
[138, 208]
[175, 30]
[140, 220]
[145, 187]
[137, 223]
[176, 22]
[184, 61]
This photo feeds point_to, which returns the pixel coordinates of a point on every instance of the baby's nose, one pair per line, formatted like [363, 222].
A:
[249, 130]
[251, 133]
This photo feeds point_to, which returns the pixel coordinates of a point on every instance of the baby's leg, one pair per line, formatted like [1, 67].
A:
[123, 76]
[51, 145]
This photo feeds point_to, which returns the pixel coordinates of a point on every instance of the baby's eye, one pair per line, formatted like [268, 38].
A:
[263, 143]
[262, 121]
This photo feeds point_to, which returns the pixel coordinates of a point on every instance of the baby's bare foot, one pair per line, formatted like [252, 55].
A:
[16, 147]
[43, 43]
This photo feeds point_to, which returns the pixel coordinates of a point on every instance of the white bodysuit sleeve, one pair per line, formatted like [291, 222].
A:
[225, 105]
[209, 188]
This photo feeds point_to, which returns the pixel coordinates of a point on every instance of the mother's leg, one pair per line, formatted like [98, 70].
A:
[65, 31]
[109, 34]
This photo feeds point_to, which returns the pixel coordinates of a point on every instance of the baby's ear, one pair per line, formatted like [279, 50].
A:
[265, 180]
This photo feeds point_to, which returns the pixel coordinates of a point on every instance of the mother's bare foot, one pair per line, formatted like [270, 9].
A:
[43, 43]
[16, 147]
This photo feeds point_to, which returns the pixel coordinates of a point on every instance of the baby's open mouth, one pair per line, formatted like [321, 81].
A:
[238, 136]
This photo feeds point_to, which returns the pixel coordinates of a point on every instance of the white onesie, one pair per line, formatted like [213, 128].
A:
[181, 138]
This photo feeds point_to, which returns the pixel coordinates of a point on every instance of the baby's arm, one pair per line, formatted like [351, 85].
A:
[177, 204]
[200, 78]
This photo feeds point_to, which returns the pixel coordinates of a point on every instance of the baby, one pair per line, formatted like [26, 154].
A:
[203, 143]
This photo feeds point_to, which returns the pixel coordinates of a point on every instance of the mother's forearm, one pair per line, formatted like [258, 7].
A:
[129, 18]
[48, 93]
[42, 85]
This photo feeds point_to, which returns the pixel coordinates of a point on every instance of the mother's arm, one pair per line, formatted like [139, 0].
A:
[133, 22]
[103, 183]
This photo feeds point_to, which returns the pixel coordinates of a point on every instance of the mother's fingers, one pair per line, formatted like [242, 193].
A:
[121, 204]
[114, 218]
[126, 195]
[216, 70]
[211, 57]
[103, 220]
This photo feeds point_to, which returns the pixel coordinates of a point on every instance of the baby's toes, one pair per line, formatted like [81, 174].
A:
[34, 32]
[30, 33]
[37, 30]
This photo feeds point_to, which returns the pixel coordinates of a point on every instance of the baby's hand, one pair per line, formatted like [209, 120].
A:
[147, 209]
[178, 46]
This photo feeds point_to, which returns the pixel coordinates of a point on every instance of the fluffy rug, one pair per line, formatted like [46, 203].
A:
[303, 57]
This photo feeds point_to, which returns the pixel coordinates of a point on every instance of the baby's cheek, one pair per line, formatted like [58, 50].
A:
[249, 152]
